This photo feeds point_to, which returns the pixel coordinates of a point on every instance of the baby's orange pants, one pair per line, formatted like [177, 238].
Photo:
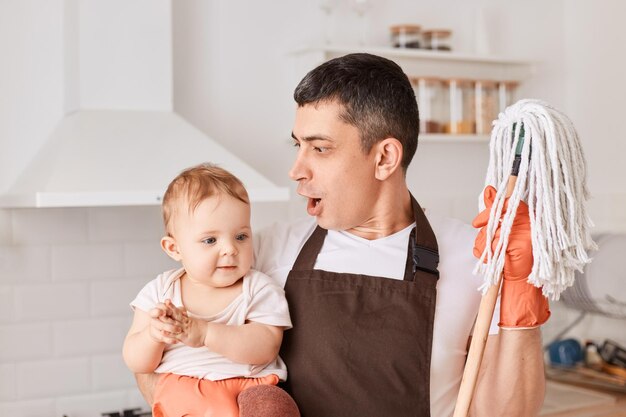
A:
[179, 395]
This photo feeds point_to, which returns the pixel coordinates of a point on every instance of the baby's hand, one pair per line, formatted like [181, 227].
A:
[190, 331]
[162, 327]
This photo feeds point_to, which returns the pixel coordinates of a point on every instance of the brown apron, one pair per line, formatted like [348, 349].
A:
[360, 345]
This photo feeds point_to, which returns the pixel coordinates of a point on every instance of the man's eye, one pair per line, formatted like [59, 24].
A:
[320, 149]
[241, 237]
[209, 240]
[295, 144]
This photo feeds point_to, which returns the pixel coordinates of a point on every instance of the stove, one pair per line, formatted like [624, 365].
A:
[129, 412]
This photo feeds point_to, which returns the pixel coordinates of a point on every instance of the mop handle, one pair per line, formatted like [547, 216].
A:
[479, 339]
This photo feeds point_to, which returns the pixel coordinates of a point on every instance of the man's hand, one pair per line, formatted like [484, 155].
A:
[522, 305]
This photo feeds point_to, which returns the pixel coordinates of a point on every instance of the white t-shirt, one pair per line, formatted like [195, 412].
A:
[276, 249]
[261, 301]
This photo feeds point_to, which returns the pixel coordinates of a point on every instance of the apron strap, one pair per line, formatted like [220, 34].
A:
[308, 254]
[422, 253]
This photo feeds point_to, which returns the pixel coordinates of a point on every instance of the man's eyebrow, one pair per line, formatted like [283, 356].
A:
[311, 138]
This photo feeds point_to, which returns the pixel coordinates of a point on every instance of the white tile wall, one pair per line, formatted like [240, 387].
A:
[135, 399]
[25, 341]
[110, 372]
[136, 254]
[112, 297]
[51, 226]
[51, 301]
[89, 336]
[30, 408]
[125, 224]
[66, 278]
[87, 261]
[6, 304]
[21, 263]
[51, 378]
[6, 228]
[8, 388]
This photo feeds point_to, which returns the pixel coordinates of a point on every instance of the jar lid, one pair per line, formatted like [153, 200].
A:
[416, 80]
[437, 33]
[509, 84]
[462, 82]
[396, 29]
[487, 83]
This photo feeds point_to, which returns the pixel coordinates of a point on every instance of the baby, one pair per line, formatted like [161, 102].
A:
[212, 328]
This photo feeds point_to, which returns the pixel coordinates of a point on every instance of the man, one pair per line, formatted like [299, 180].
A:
[382, 298]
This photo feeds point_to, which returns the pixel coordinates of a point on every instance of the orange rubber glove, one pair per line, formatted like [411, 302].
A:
[522, 305]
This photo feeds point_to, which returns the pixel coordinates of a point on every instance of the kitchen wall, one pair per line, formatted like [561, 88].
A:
[593, 70]
[574, 46]
[32, 100]
[66, 278]
[66, 275]
[241, 89]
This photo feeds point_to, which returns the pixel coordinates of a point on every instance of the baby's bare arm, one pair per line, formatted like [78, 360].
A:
[146, 339]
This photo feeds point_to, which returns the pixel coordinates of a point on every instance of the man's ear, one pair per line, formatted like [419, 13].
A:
[388, 158]
[169, 246]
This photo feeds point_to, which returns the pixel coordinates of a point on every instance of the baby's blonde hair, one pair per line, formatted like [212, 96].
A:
[194, 185]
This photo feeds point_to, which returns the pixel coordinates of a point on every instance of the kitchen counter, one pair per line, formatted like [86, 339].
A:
[564, 400]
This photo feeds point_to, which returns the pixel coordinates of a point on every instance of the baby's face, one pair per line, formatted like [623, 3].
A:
[215, 241]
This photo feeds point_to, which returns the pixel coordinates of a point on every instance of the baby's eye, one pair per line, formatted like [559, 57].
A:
[241, 236]
[209, 240]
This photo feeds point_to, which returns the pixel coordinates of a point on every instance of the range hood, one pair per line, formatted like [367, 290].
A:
[118, 158]
[121, 141]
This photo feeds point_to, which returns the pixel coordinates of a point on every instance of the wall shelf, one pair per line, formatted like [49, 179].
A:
[427, 63]
[419, 62]
[456, 139]
[414, 54]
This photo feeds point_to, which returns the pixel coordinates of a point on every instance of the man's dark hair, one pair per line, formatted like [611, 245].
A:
[376, 94]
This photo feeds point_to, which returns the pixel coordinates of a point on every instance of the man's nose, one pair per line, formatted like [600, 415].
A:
[299, 170]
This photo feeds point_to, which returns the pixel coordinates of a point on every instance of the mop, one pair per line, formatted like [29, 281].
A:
[535, 156]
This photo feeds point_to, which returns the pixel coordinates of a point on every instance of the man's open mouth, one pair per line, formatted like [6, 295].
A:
[314, 206]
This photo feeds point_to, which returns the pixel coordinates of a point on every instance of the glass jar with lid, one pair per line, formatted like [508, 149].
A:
[506, 93]
[432, 96]
[437, 39]
[487, 105]
[462, 107]
[406, 36]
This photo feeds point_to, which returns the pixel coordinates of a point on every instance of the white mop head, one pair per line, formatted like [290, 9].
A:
[552, 180]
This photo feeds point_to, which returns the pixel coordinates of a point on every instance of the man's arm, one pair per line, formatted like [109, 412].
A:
[146, 384]
[511, 380]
